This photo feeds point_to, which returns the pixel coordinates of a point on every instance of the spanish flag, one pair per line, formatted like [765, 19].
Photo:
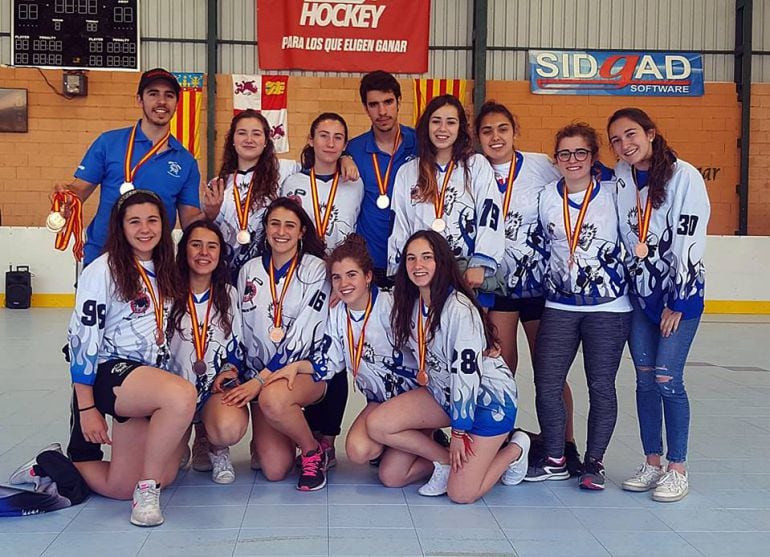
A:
[426, 89]
[186, 123]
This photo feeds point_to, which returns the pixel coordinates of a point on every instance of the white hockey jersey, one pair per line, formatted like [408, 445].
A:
[345, 206]
[384, 371]
[523, 263]
[305, 309]
[103, 327]
[673, 274]
[220, 349]
[474, 227]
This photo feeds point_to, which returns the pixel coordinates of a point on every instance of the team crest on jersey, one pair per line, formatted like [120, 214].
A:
[587, 235]
[174, 168]
[140, 304]
[512, 225]
[250, 291]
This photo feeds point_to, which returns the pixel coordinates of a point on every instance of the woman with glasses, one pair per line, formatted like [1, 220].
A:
[586, 304]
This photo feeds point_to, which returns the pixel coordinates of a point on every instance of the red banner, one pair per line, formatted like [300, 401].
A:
[344, 35]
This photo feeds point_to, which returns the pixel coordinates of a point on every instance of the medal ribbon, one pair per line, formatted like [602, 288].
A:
[74, 226]
[357, 348]
[439, 202]
[278, 302]
[382, 183]
[129, 172]
[643, 218]
[242, 209]
[157, 301]
[199, 331]
[573, 236]
[422, 346]
[319, 224]
[509, 185]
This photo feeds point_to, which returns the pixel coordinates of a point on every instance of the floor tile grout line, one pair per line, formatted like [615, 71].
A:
[499, 526]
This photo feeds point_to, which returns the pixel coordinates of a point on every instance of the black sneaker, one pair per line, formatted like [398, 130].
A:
[593, 475]
[574, 465]
[547, 468]
[440, 437]
[313, 470]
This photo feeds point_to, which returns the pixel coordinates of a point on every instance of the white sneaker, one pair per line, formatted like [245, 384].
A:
[221, 468]
[517, 469]
[145, 510]
[438, 482]
[673, 486]
[25, 474]
[645, 478]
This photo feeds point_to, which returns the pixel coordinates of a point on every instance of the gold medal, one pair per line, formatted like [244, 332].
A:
[383, 201]
[641, 250]
[243, 237]
[277, 334]
[55, 222]
[438, 225]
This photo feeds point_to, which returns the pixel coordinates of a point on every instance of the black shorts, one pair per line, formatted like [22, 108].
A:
[529, 309]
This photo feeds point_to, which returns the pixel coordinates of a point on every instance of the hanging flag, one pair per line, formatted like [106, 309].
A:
[186, 123]
[426, 89]
[267, 94]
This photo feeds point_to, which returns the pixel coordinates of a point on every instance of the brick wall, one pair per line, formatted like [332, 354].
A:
[703, 130]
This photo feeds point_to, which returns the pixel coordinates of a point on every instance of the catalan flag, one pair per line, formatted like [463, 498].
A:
[186, 123]
[426, 89]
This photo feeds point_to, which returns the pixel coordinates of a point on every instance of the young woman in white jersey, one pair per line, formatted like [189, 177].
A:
[521, 178]
[664, 210]
[118, 346]
[284, 298]
[451, 190]
[358, 338]
[205, 341]
[586, 304]
[436, 314]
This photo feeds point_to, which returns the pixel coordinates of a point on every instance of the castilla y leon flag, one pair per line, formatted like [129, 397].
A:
[186, 123]
[426, 89]
[267, 94]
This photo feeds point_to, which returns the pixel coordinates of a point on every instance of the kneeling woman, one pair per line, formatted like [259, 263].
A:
[205, 341]
[436, 314]
[117, 346]
[284, 304]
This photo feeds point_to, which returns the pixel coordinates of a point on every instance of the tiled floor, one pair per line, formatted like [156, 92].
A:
[726, 513]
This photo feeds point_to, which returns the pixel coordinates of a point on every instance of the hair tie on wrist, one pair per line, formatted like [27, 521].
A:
[87, 408]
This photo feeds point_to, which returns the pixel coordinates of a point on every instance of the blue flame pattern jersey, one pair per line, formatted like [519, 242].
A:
[103, 327]
[345, 207]
[474, 227]
[236, 254]
[305, 310]
[673, 274]
[384, 371]
[461, 379]
[221, 349]
[523, 262]
[597, 275]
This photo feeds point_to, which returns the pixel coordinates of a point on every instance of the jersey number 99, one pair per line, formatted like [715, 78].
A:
[93, 312]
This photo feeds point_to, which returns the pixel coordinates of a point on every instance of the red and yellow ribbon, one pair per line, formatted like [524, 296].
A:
[157, 301]
[242, 209]
[643, 217]
[439, 202]
[422, 346]
[357, 348]
[199, 331]
[74, 225]
[278, 302]
[321, 225]
[128, 172]
[573, 236]
[382, 183]
[509, 185]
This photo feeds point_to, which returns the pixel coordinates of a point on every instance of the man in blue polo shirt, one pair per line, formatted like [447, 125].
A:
[379, 153]
[170, 170]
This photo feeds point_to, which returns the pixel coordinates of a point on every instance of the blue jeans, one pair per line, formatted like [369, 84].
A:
[659, 363]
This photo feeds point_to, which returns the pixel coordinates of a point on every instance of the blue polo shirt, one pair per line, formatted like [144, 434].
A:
[172, 174]
[375, 224]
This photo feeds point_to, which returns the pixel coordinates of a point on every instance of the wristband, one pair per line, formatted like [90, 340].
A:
[87, 408]
[258, 377]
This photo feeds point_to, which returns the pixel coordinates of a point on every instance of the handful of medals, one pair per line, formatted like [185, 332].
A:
[66, 220]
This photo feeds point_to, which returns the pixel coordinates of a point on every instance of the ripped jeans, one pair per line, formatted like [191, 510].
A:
[660, 388]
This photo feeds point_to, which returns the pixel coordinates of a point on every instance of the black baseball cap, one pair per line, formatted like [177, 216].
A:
[158, 74]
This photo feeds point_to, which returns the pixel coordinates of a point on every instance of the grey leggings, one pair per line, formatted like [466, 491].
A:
[603, 335]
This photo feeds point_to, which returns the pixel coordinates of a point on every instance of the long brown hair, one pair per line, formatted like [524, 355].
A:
[446, 278]
[662, 159]
[218, 292]
[462, 150]
[121, 258]
[266, 174]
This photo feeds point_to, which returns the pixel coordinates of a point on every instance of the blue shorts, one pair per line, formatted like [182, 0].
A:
[490, 422]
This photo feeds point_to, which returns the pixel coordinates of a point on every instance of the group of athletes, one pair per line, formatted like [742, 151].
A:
[401, 256]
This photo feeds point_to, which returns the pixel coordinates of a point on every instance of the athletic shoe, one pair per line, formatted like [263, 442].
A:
[331, 453]
[313, 474]
[547, 468]
[593, 475]
[671, 487]
[438, 482]
[221, 468]
[645, 478]
[574, 465]
[25, 474]
[518, 468]
[200, 455]
[145, 510]
[439, 436]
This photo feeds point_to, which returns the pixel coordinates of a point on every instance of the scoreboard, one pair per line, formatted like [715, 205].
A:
[76, 34]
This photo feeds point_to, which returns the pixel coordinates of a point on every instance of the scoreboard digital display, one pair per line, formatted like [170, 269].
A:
[76, 34]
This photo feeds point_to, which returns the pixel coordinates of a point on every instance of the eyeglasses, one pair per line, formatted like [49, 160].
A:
[565, 155]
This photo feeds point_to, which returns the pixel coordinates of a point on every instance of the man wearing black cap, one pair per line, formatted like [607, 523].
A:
[143, 156]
